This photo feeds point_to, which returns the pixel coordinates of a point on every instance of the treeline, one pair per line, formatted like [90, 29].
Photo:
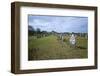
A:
[38, 33]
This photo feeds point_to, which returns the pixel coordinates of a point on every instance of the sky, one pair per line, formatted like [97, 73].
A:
[59, 24]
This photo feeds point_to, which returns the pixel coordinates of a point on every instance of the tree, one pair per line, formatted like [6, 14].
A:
[31, 30]
[38, 31]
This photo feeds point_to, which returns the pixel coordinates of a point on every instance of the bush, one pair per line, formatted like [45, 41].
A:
[65, 40]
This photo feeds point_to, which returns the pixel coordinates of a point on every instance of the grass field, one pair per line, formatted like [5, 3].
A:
[51, 48]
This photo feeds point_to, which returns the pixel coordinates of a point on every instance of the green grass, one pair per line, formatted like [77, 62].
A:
[51, 48]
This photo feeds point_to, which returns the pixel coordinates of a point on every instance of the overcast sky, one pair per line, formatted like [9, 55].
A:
[59, 23]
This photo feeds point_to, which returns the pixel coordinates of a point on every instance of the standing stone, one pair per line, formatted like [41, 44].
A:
[72, 40]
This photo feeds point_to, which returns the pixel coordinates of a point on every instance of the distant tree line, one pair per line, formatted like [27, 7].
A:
[38, 33]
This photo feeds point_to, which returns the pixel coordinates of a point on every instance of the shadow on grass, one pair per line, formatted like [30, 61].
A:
[80, 47]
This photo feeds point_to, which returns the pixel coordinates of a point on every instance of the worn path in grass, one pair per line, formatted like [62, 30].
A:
[50, 48]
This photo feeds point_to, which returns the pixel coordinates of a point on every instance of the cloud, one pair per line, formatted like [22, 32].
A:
[59, 23]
